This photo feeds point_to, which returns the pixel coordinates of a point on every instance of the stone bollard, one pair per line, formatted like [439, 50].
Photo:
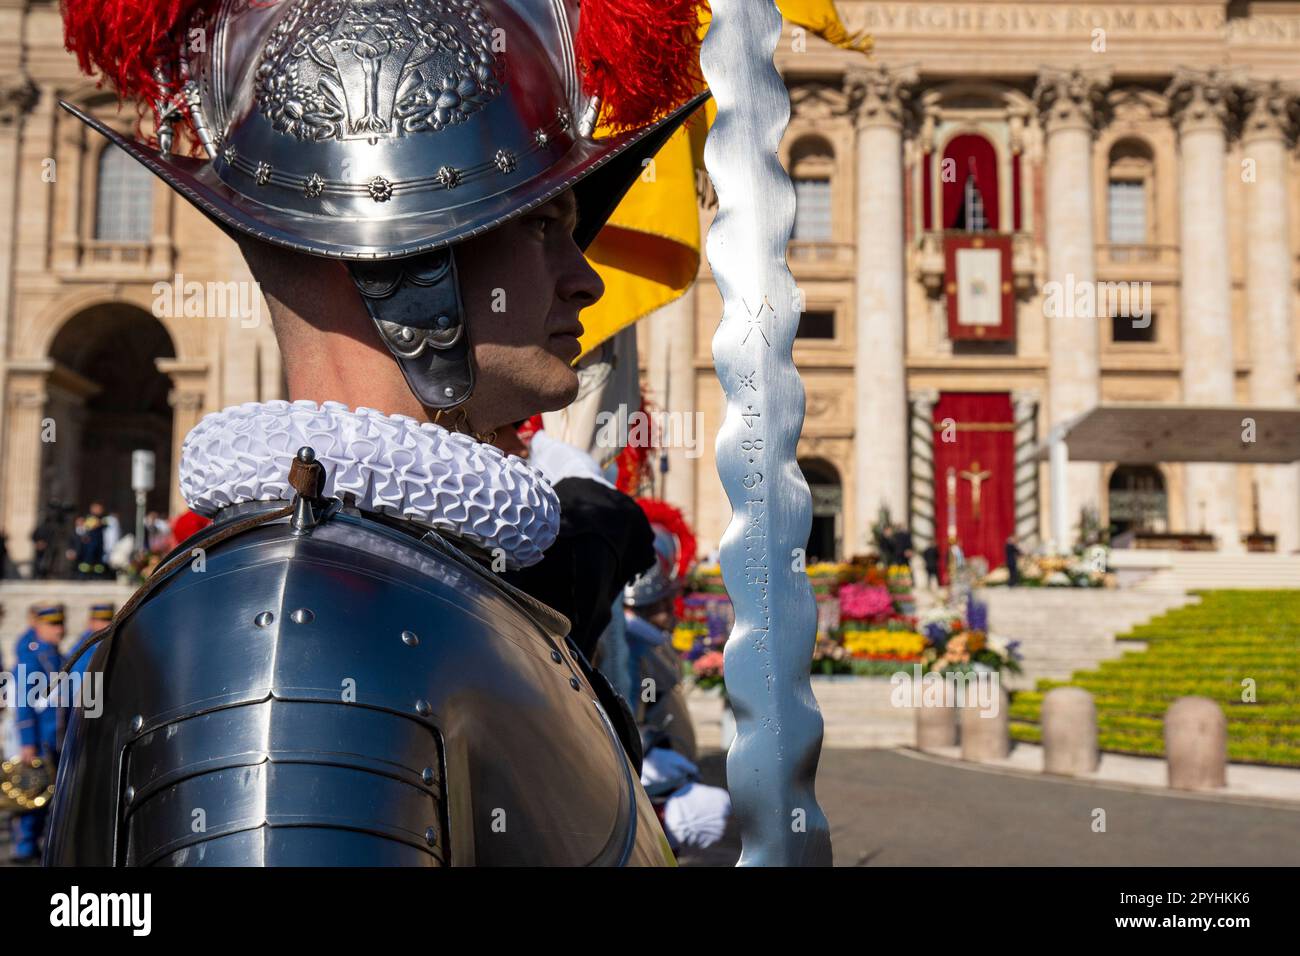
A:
[1069, 731]
[936, 727]
[1196, 744]
[986, 736]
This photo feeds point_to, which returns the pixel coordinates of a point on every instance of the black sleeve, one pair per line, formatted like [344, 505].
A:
[604, 542]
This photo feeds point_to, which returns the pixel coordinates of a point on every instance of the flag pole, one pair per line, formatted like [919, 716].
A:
[772, 763]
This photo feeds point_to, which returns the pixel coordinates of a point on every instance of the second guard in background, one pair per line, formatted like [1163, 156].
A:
[38, 722]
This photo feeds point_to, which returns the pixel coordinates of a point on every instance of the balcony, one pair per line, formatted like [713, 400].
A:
[1138, 261]
[821, 259]
[931, 269]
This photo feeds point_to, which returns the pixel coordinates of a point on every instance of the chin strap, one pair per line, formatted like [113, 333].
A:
[416, 307]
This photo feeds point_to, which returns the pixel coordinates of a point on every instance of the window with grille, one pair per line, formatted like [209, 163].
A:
[812, 211]
[124, 202]
[1127, 205]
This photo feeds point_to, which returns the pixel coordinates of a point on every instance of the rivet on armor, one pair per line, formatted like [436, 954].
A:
[574, 683]
[422, 708]
[410, 638]
[541, 138]
[381, 190]
[315, 185]
[443, 321]
[427, 776]
[449, 391]
[130, 794]
[302, 616]
[505, 161]
[562, 115]
[264, 619]
[263, 174]
[431, 836]
[406, 334]
[555, 656]
[137, 724]
[306, 474]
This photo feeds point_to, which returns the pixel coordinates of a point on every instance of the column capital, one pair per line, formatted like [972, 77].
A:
[1203, 99]
[17, 97]
[880, 95]
[1071, 98]
[1271, 110]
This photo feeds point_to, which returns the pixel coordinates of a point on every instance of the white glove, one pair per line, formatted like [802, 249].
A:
[696, 815]
[662, 765]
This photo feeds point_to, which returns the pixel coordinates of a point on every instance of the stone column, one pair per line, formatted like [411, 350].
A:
[671, 375]
[1024, 404]
[17, 96]
[877, 99]
[1201, 106]
[680, 484]
[188, 399]
[25, 396]
[1267, 138]
[1070, 104]
[924, 522]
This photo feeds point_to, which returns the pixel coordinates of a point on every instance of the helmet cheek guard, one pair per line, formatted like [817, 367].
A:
[417, 310]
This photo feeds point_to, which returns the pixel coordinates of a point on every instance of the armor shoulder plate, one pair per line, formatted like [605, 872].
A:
[347, 695]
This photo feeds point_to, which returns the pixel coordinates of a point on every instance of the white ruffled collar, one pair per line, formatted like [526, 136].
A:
[393, 464]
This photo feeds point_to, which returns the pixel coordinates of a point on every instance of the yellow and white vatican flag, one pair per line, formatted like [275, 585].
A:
[648, 253]
[821, 17]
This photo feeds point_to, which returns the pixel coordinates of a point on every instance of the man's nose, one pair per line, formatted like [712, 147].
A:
[581, 283]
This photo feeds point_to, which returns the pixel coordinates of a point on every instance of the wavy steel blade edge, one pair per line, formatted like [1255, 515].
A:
[773, 762]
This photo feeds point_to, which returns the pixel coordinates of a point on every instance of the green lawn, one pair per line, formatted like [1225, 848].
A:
[1212, 649]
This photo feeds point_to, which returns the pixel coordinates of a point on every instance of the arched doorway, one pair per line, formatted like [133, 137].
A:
[1137, 500]
[827, 507]
[106, 398]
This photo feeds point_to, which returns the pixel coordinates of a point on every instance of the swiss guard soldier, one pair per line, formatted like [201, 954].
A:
[37, 714]
[333, 672]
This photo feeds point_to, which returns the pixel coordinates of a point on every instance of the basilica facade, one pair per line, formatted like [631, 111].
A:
[1009, 214]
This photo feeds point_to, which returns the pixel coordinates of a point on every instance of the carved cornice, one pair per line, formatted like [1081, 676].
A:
[816, 100]
[1203, 99]
[1271, 110]
[1072, 98]
[879, 95]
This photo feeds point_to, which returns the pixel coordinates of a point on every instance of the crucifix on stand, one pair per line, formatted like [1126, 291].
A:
[976, 479]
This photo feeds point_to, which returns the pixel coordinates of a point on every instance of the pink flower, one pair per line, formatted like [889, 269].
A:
[708, 665]
[862, 602]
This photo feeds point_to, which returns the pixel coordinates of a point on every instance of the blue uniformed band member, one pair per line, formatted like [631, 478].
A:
[37, 721]
[101, 615]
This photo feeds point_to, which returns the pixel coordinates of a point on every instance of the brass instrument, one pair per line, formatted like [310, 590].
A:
[25, 786]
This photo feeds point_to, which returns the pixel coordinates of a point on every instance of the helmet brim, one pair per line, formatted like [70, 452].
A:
[599, 171]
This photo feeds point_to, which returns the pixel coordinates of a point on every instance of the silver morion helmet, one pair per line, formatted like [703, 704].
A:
[383, 132]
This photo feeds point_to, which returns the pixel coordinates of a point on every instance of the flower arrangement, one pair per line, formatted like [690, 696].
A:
[707, 670]
[863, 602]
[885, 645]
